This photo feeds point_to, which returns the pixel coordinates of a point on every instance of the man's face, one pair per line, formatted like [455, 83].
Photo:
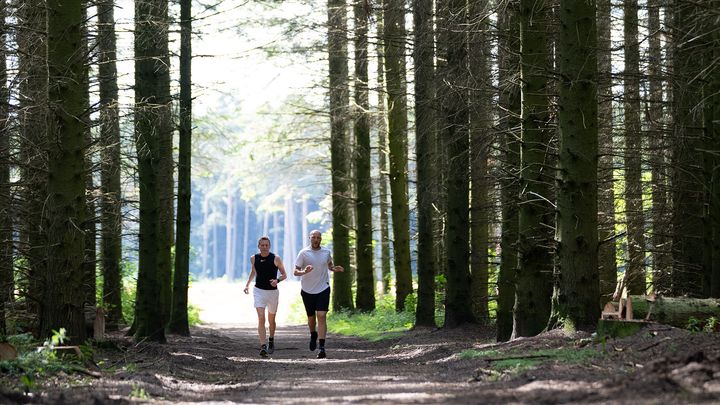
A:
[264, 247]
[315, 239]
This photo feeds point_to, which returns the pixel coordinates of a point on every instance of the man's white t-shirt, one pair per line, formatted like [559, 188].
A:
[318, 280]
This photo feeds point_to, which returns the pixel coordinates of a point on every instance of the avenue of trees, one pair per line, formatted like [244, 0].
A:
[506, 161]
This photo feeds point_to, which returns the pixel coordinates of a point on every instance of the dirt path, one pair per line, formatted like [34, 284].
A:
[221, 364]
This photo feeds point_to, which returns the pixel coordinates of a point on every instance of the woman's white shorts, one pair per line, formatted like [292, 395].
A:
[266, 299]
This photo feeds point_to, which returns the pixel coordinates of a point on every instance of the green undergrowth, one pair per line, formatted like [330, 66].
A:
[518, 361]
[36, 359]
[382, 323]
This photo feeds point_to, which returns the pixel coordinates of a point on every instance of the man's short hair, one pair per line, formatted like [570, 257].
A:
[262, 238]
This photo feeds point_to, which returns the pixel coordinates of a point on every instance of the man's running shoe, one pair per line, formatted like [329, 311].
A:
[263, 351]
[321, 354]
[313, 341]
[271, 347]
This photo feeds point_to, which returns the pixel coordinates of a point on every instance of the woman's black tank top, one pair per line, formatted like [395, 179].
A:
[266, 271]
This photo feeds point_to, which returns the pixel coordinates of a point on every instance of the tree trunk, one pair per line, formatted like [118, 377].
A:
[458, 301]
[687, 177]
[111, 206]
[179, 315]
[712, 127]
[7, 284]
[339, 152]
[365, 299]
[509, 112]
[425, 138]
[661, 260]
[394, 40]
[63, 294]
[33, 118]
[607, 265]
[151, 119]
[675, 311]
[385, 259]
[481, 123]
[634, 277]
[90, 225]
[534, 276]
[577, 293]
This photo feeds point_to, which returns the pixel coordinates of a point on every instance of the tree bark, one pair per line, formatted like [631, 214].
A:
[394, 41]
[687, 171]
[425, 136]
[179, 316]
[634, 277]
[7, 284]
[152, 107]
[385, 259]
[509, 112]
[660, 219]
[90, 225]
[675, 311]
[607, 265]
[481, 123]
[365, 298]
[339, 151]
[577, 292]
[455, 113]
[33, 119]
[534, 276]
[711, 92]
[63, 294]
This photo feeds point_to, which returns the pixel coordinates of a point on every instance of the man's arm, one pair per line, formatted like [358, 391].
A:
[301, 272]
[335, 269]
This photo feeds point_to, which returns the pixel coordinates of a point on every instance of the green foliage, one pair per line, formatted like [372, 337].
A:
[411, 302]
[382, 323]
[708, 325]
[138, 392]
[193, 315]
[711, 325]
[34, 359]
[129, 287]
[440, 284]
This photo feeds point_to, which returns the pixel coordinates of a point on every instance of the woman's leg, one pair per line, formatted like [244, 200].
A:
[261, 324]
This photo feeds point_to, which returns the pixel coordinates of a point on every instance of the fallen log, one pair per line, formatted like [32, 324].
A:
[675, 311]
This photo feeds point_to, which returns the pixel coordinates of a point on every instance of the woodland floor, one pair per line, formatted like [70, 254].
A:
[220, 364]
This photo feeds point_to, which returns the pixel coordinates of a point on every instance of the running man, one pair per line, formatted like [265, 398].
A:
[266, 265]
[313, 264]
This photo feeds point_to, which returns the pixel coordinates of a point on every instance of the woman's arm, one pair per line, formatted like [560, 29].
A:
[281, 267]
[252, 274]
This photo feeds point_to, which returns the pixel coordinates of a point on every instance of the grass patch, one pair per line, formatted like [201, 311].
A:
[517, 362]
[472, 353]
[382, 323]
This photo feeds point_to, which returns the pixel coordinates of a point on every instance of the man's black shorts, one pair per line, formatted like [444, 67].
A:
[316, 302]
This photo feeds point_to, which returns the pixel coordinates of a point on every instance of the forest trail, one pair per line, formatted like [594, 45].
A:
[220, 364]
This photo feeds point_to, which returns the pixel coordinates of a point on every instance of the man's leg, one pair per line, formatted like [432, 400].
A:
[322, 330]
[312, 325]
[321, 324]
